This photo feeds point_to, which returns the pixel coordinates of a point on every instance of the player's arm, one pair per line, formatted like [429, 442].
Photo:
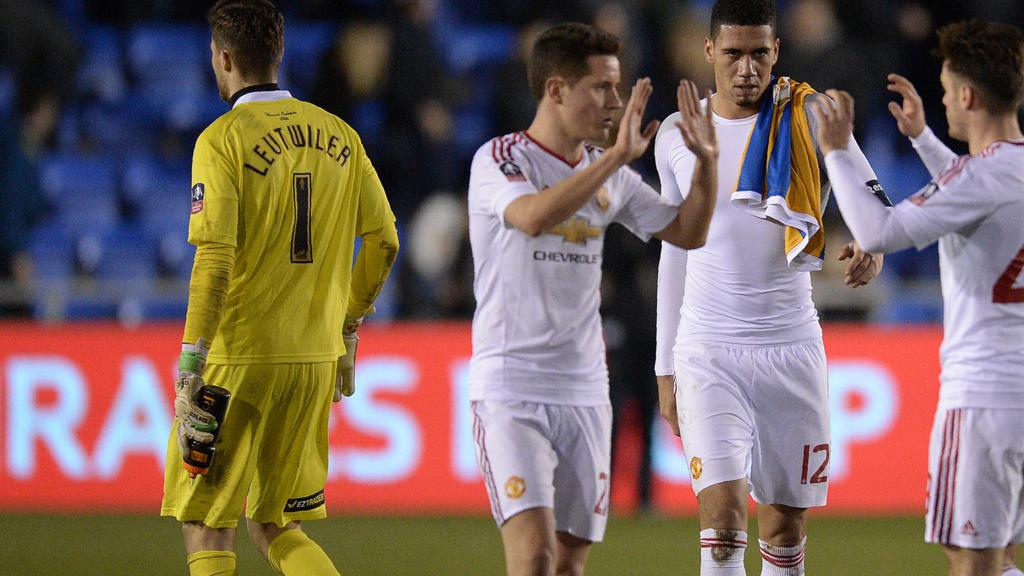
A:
[376, 227]
[690, 228]
[863, 266]
[535, 213]
[911, 122]
[675, 174]
[213, 226]
[917, 221]
[671, 283]
[208, 287]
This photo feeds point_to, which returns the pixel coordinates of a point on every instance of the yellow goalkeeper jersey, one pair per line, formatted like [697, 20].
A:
[289, 186]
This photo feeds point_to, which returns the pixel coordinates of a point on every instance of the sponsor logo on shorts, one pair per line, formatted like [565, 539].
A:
[515, 487]
[198, 194]
[696, 468]
[968, 529]
[305, 503]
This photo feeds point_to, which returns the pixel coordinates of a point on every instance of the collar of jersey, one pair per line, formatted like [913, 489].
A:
[260, 95]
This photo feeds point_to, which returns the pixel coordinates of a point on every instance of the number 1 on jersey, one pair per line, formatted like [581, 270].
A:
[302, 230]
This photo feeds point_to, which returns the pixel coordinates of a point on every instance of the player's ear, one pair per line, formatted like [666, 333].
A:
[554, 89]
[968, 96]
[775, 60]
[709, 50]
[225, 61]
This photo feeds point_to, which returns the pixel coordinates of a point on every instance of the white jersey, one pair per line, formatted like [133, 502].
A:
[739, 289]
[974, 207]
[537, 331]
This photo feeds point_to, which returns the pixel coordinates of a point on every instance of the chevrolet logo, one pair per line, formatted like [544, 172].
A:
[576, 230]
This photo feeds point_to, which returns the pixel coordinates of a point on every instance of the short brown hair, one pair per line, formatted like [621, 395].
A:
[990, 56]
[252, 31]
[563, 51]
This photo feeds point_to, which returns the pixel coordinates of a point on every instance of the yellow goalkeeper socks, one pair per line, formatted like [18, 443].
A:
[293, 553]
[212, 563]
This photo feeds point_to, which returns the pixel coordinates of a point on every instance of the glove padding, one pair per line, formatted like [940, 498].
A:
[194, 423]
[345, 379]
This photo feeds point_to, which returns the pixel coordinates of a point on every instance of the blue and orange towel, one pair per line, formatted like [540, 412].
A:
[780, 179]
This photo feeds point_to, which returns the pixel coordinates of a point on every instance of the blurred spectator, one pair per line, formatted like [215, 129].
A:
[22, 204]
[681, 56]
[36, 44]
[419, 146]
[513, 105]
[815, 49]
[612, 17]
[629, 286]
[437, 276]
[353, 76]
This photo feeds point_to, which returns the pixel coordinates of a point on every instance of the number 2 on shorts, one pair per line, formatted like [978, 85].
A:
[1004, 292]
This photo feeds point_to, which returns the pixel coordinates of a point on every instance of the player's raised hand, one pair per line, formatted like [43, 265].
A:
[632, 141]
[863, 266]
[910, 116]
[834, 116]
[697, 128]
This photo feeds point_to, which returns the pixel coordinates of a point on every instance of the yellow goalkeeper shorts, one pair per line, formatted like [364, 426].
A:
[271, 456]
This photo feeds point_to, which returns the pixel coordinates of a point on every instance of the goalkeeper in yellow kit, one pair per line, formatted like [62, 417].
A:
[280, 190]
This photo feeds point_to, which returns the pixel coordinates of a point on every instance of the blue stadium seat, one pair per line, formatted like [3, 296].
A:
[166, 308]
[176, 257]
[52, 253]
[114, 128]
[911, 310]
[127, 255]
[466, 47]
[147, 177]
[83, 190]
[168, 53]
[89, 307]
[102, 71]
[160, 194]
[304, 45]
[471, 128]
[170, 64]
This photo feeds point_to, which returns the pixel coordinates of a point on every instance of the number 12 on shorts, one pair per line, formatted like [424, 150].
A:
[820, 474]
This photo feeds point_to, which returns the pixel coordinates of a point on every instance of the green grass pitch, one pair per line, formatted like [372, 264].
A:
[428, 546]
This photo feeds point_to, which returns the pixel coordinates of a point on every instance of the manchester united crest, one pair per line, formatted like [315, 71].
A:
[696, 468]
[515, 486]
[604, 199]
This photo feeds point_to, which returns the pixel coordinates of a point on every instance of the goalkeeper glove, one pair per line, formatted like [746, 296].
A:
[194, 423]
[345, 379]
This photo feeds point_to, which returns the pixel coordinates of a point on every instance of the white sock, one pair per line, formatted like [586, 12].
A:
[1011, 570]
[781, 560]
[721, 552]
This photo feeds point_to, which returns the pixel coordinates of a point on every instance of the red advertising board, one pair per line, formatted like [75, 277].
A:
[85, 412]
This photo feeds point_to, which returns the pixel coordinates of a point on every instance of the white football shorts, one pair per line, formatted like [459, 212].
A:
[555, 456]
[758, 412]
[976, 478]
